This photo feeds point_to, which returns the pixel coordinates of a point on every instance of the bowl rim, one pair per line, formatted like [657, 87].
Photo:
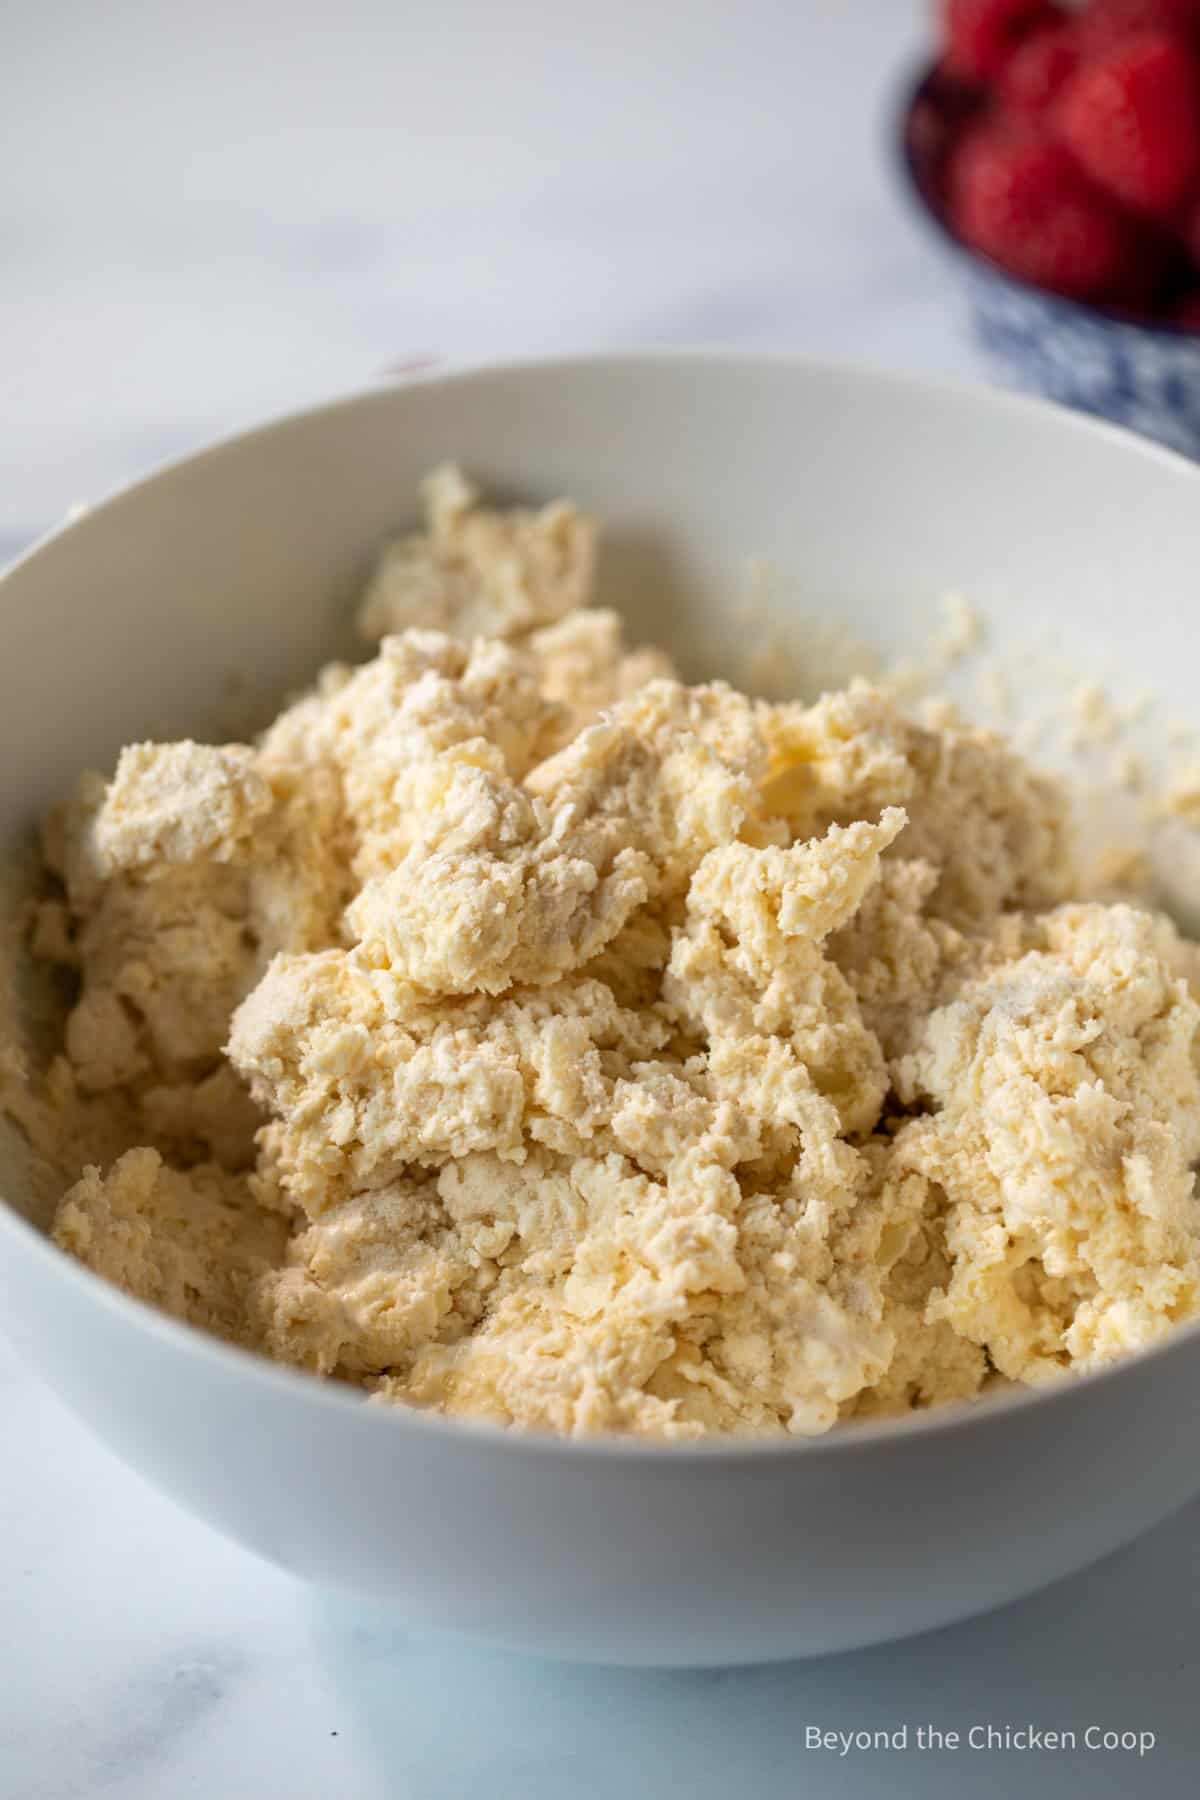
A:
[848, 1439]
[915, 88]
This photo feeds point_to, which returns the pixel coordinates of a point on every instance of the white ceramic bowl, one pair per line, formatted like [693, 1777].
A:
[875, 494]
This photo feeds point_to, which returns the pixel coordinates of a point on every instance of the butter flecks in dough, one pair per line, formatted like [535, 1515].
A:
[994, 830]
[624, 1056]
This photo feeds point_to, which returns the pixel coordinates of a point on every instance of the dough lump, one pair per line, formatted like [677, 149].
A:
[514, 1031]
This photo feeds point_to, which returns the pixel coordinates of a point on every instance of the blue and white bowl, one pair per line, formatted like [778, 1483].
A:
[1102, 361]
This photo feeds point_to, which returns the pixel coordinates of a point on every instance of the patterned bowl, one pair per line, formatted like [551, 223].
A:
[1100, 360]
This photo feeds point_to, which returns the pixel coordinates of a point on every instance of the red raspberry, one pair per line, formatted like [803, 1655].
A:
[1132, 118]
[1189, 232]
[1038, 67]
[1151, 263]
[980, 35]
[1108, 22]
[1021, 200]
[1186, 312]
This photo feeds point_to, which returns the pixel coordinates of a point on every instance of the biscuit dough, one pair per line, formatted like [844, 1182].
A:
[514, 1031]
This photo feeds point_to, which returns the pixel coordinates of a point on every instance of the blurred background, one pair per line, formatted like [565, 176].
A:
[209, 214]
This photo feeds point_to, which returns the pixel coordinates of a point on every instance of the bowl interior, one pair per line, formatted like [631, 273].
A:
[764, 516]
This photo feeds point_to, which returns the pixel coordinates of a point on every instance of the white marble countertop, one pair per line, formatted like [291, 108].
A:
[212, 217]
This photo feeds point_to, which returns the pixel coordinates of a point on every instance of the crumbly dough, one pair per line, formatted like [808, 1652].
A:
[514, 1031]
[475, 572]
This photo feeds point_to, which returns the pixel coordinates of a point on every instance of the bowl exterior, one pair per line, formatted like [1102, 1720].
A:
[589, 1554]
[1146, 380]
[876, 494]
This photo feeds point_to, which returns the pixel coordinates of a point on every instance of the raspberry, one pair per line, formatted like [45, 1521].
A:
[1151, 265]
[1108, 22]
[1020, 199]
[1186, 312]
[1038, 67]
[1189, 233]
[1132, 118]
[980, 35]
[942, 110]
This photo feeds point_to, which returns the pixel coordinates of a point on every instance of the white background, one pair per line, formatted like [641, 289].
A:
[211, 213]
